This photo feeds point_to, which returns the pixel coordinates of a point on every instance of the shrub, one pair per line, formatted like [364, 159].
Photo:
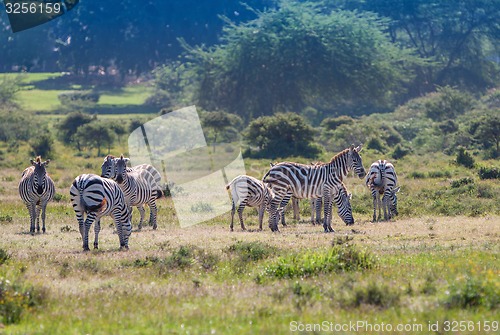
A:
[461, 182]
[337, 259]
[464, 158]
[4, 256]
[472, 294]
[42, 145]
[377, 295]
[78, 97]
[399, 152]
[447, 103]
[375, 143]
[489, 173]
[15, 298]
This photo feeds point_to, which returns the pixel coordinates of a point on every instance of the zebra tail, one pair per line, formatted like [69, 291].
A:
[159, 194]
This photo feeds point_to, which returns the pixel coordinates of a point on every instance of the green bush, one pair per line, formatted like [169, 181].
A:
[489, 173]
[461, 182]
[339, 258]
[447, 103]
[399, 152]
[376, 294]
[15, 299]
[473, 293]
[42, 145]
[78, 97]
[4, 256]
[464, 158]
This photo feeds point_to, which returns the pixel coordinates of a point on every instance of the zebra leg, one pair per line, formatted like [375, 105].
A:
[32, 210]
[86, 228]
[44, 207]
[38, 210]
[379, 204]
[283, 205]
[327, 200]
[374, 196]
[296, 211]
[241, 207]
[387, 210]
[318, 202]
[273, 214]
[233, 210]
[97, 229]
[313, 208]
[261, 215]
[123, 225]
[142, 211]
[153, 213]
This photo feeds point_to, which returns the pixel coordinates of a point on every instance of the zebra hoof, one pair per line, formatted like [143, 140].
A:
[86, 249]
[124, 248]
[155, 226]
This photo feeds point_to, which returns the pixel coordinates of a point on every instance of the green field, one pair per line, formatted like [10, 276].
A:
[435, 265]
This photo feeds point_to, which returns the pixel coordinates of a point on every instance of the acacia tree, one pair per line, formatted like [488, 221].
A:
[298, 55]
[459, 38]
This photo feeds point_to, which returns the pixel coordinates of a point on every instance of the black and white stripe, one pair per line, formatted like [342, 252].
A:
[138, 187]
[382, 180]
[248, 191]
[36, 190]
[98, 197]
[108, 170]
[312, 181]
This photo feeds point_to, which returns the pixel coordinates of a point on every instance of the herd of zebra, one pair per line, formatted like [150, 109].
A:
[119, 188]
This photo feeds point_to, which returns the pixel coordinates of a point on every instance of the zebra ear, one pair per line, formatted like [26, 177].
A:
[127, 160]
[271, 164]
[46, 162]
[359, 148]
[396, 190]
[349, 195]
[32, 162]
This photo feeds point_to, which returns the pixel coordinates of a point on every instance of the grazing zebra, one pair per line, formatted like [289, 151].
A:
[382, 179]
[311, 181]
[248, 191]
[137, 186]
[36, 189]
[108, 170]
[98, 197]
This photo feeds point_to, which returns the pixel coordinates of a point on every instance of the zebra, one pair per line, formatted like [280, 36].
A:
[248, 191]
[98, 197]
[137, 186]
[382, 179]
[312, 181]
[36, 190]
[108, 170]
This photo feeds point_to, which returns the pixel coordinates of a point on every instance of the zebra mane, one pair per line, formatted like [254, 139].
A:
[339, 155]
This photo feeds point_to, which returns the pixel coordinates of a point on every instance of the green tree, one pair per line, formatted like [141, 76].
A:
[299, 55]
[282, 135]
[9, 86]
[68, 127]
[487, 133]
[221, 126]
[459, 38]
[95, 135]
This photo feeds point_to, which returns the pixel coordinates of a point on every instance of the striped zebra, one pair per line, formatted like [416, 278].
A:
[382, 180]
[248, 191]
[36, 190]
[108, 170]
[98, 197]
[138, 188]
[312, 181]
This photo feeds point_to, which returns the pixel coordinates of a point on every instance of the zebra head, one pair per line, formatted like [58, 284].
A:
[356, 163]
[393, 206]
[108, 167]
[120, 169]
[343, 202]
[39, 174]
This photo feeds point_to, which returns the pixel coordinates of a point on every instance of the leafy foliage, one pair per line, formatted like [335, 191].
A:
[281, 135]
[299, 52]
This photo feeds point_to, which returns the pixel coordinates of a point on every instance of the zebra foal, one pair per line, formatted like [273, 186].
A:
[382, 180]
[36, 190]
[98, 197]
[248, 191]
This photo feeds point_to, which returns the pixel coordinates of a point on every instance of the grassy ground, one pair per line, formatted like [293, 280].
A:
[416, 270]
[436, 264]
